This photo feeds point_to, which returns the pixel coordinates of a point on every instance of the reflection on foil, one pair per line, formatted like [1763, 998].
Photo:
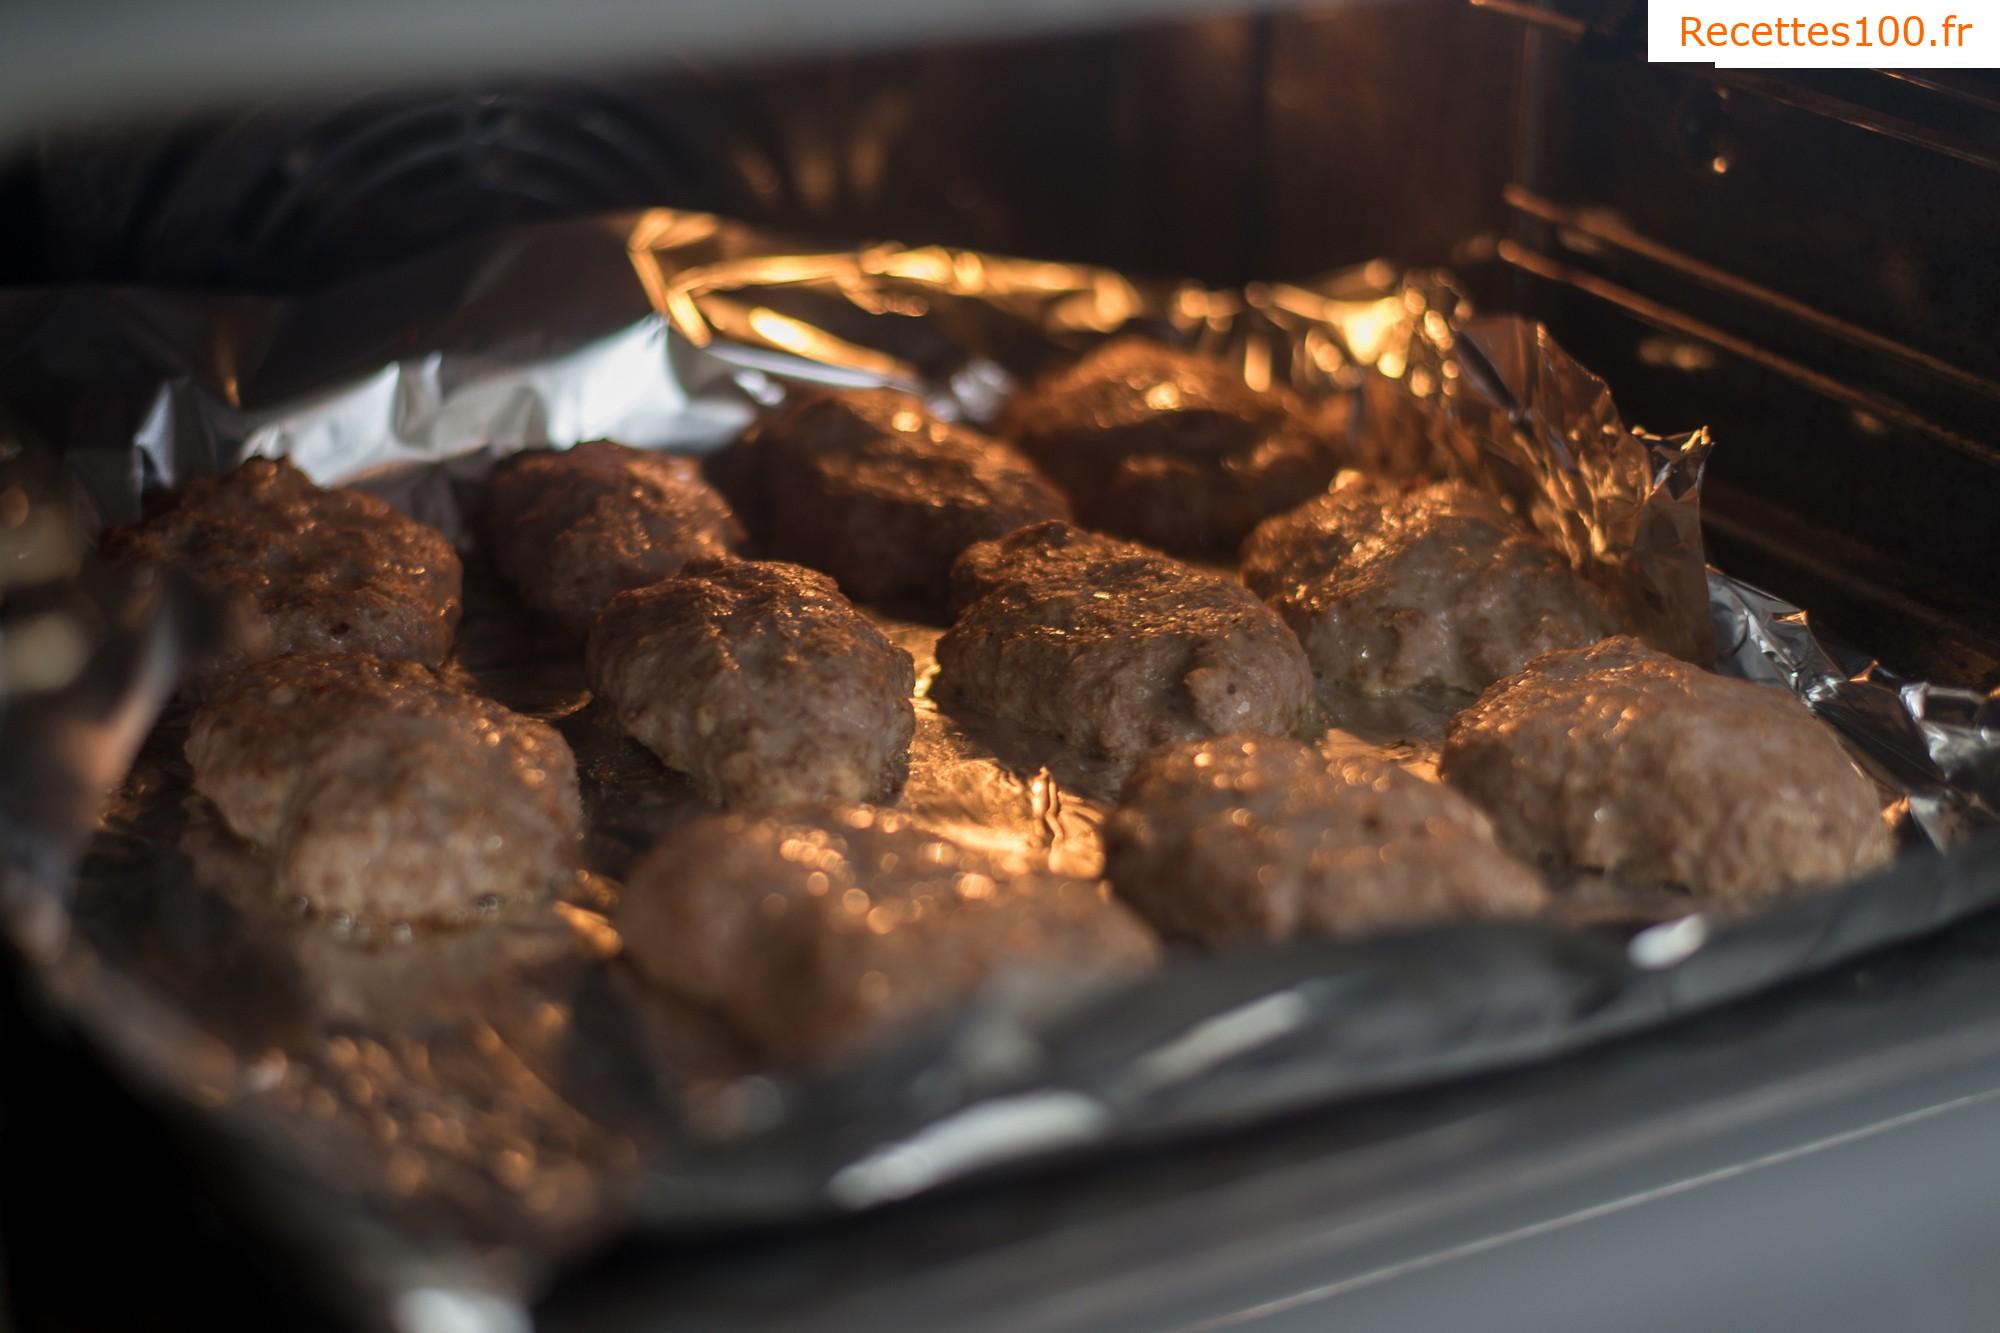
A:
[1669, 942]
[477, 1106]
[1493, 399]
[1938, 744]
[980, 1136]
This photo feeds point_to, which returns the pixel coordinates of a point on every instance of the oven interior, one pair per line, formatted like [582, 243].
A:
[1802, 260]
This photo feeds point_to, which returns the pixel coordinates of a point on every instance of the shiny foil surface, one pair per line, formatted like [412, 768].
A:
[453, 1113]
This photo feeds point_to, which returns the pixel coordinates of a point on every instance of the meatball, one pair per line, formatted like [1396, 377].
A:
[1262, 838]
[760, 682]
[1114, 648]
[1168, 447]
[572, 529]
[1622, 760]
[875, 491]
[305, 569]
[1433, 587]
[821, 929]
[383, 794]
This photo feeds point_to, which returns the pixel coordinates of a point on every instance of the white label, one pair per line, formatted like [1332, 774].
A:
[1831, 34]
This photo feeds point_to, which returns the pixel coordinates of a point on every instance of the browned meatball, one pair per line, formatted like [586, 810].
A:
[871, 488]
[1620, 759]
[382, 793]
[1395, 589]
[821, 929]
[1113, 647]
[1262, 838]
[572, 529]
[760, 682]
[1168, 447]
[305, 569]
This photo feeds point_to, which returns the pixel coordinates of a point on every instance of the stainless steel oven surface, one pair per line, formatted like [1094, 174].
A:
[395, 241]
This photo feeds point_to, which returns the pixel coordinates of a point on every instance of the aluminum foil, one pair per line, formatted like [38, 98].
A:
[456, 1114]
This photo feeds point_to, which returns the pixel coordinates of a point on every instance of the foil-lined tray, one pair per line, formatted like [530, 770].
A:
[458, 1112]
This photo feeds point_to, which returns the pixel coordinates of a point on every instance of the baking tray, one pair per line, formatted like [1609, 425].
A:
[553, 1106]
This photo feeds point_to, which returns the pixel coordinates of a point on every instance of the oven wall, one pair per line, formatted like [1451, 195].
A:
[1810, 262]
[1221, 148]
